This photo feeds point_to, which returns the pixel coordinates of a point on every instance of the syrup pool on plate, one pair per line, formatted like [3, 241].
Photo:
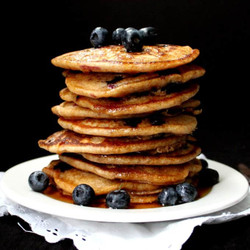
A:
[54, 193]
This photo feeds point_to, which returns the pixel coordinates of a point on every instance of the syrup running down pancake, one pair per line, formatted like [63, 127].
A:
[67, 178]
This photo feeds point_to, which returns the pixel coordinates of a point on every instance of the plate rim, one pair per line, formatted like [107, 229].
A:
[192, 209]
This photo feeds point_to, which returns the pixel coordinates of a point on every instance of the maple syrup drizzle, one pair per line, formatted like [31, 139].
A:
[52, 192]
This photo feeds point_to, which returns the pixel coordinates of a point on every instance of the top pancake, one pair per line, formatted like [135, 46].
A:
[105, 85]
[114, 58]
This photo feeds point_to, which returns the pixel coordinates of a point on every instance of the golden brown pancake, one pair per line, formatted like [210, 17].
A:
[103, 85]
[132, 104]
[181, 124]
[70, 110]
[179, 156]
[155, 175]
[191, 106]
[67, 179]
[114, 58]
[69, 141]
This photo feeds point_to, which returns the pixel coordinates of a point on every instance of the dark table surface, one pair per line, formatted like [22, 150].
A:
[232, 235]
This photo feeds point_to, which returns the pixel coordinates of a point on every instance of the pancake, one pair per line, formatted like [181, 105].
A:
[151, 125]
[69, 141]
[67, 178]
[114, 58]
[133, 104]
[104, 85]
[70, 110]
[179, 156]
[155, 175]
[191, 106]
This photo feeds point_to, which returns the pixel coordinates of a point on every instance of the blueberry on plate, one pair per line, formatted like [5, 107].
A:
[83, 194]
[204, 164]
[132, 40]
[38, 181]
[118, 199]
[117, 35]
[149, 35]
[168, 196]
[208, 177]
[99, 37]
[186, 192]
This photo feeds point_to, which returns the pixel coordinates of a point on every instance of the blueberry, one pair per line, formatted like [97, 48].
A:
[132, 122]
[132, 40]
[83, 194]
[149, 35]
[117, 35]
[38, 181]
[118, 199]
[186, 191]
[156, 119]
[99, 37]
[115, 80]
[208, 177]
[204, 164]
[168, 196]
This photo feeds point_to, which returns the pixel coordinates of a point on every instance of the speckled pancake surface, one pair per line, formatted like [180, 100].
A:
[104, 85]
[70, 110]
[151, 125]
[178, 156]
[68, 141]
[114, 58]
[155, 175]
[133, 104]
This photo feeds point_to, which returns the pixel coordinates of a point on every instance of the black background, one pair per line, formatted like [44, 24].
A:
[33, 32]
[37, 31]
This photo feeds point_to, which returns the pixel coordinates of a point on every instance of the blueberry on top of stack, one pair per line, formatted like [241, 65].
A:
[127, 118]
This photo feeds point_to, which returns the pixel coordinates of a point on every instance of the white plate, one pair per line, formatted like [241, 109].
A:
[231, 189]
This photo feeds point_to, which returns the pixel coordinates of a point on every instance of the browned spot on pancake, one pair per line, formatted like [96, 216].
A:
[87, 68]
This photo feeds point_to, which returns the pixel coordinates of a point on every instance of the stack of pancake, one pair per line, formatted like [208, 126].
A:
[127, 120]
